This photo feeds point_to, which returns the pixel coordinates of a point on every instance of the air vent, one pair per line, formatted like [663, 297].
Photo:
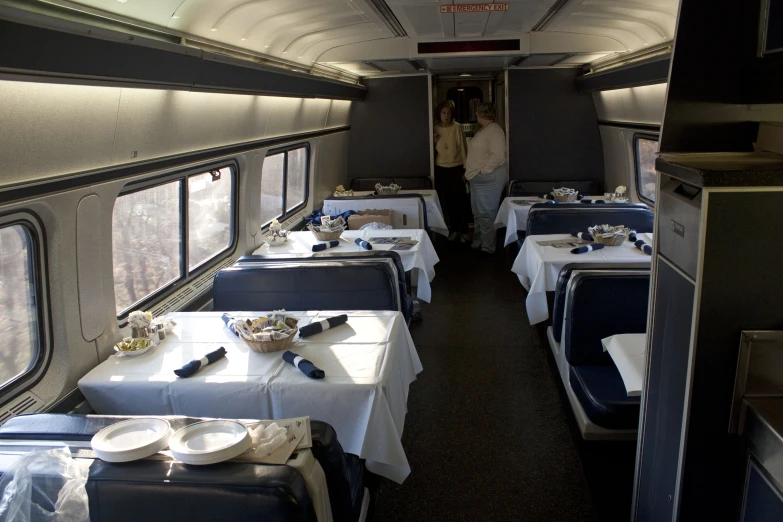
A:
[388, 17]
[179, 300]
[27, 403]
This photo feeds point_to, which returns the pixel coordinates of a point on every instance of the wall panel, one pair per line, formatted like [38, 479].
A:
[552, 128]
[339, 113]
[390, 129]
[51, 130]
[643, 105]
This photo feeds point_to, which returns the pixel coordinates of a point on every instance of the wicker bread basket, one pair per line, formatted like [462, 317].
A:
[614, 240]
[568, 198]
[270, 346]
[389, 190]
[244, 332]
[327, 236]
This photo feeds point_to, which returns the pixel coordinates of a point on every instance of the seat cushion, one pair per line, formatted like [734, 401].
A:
[602, 394]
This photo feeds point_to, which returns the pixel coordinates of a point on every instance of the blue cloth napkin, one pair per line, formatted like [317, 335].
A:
[582, 235]
[593, 201]
[586, 248]
[194, 366]
[315, 216]
[319, 326]
[580, 197]
[323, 246]
[305, 366]
[548, 196]
[632, 236]
[644, 247]
[362, 243]
[230, 320]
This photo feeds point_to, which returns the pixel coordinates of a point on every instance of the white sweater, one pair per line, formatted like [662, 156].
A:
[486, 151]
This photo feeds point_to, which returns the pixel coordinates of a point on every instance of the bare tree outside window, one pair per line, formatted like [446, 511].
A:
[272, 187]
[646, 150]
[209, 215]
[146, 236]
[18, 313]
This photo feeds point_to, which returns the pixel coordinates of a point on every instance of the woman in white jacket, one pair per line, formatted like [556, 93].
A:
[487, 171]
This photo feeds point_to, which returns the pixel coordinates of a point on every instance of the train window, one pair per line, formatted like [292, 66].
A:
[19, 320]
[284, 180]
[272, 187]
[296, 179]
[210, 213]
[646, 150]
[146, 242]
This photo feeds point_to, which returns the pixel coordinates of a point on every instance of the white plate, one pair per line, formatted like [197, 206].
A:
[132, 353]
[210, 442]
[132, 439]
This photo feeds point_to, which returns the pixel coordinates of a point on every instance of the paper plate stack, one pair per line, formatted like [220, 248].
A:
[210, 442]
[132, 439]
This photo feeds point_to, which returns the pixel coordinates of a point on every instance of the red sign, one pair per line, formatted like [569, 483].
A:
[473, 8]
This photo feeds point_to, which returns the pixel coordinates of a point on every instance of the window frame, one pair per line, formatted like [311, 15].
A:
[636, 137]
[39, 269]
[186, 275]
[286, 214]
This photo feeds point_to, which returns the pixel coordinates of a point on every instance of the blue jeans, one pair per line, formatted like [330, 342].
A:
[485, 193]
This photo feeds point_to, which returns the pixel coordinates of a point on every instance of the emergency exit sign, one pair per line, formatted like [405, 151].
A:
[473, 8]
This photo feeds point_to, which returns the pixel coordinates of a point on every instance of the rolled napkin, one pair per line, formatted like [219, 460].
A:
[362, 243]
[194, 366]
[548, 196]
[582, 235]
[632, 236]
[586, 248]
[644, 247]
[580, 197]
[230, 320]
[593, 201]
[318, 247]
[319, 326]
[305, 366]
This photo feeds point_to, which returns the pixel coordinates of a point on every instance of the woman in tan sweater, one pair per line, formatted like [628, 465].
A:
[450, 153]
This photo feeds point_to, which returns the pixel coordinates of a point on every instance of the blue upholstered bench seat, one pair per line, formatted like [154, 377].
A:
[601, 302]
[366, 281]
[518, 187]
[602, 394]
[562, 218]
[412, 183]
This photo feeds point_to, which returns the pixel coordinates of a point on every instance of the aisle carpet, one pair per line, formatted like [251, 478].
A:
[488, 433]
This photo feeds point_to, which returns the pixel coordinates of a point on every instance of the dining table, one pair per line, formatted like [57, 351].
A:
[538, 265]
[514, 210]
[435, 218]
[420, 259]
[628, 353]
[369, 364]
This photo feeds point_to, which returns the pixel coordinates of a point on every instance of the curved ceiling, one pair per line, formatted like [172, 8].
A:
[340, 33]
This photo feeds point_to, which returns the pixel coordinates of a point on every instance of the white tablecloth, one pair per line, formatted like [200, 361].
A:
[513, 214]
[539, 266]
[435, 218]
[421, 258]
[369, 365]
[627, 351]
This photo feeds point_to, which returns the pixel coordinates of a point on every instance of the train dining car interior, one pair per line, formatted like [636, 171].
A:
[391, 260]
